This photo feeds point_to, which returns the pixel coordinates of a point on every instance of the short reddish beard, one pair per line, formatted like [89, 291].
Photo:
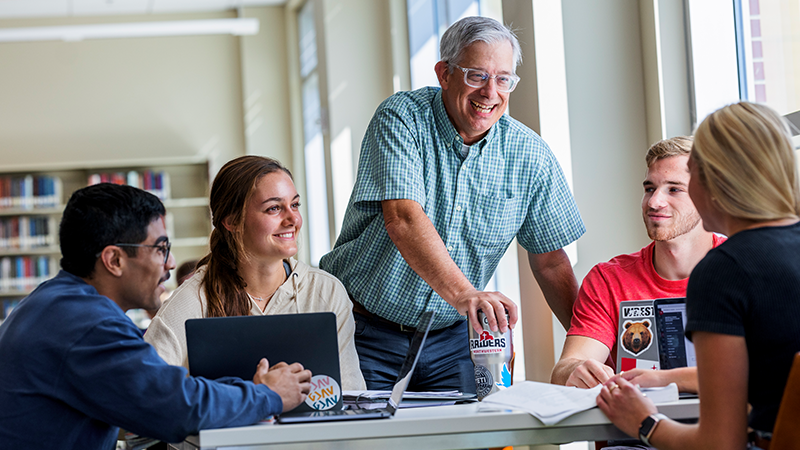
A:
[684, 225]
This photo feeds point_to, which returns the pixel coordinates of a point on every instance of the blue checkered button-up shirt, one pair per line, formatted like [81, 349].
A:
[509, 184]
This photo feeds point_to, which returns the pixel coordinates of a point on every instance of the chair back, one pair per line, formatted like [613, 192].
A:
[786, 434]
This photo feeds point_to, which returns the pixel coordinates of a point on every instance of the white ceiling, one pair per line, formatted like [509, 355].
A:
[12, 9]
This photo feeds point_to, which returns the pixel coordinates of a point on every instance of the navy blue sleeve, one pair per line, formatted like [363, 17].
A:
[111, 374]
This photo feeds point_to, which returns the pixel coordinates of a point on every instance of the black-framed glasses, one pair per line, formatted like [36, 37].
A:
[163, 248]
[478, 79]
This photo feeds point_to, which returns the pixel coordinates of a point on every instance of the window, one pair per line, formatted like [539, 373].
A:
[428, 20]
[316, 180]
[769, 52]
[744, 49]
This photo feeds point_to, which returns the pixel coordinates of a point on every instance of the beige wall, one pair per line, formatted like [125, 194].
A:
[99, 102]
[605, 83]
[265, 78]
[358, 56]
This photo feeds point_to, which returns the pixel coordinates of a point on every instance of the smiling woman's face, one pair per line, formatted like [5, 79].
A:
[272, 218]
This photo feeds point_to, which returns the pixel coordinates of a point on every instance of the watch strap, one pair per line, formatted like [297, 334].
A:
[648, 426]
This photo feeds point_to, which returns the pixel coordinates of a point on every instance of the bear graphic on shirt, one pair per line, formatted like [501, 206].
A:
[637, 336]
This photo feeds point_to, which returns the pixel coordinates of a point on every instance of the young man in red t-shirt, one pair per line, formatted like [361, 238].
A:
[659, 270]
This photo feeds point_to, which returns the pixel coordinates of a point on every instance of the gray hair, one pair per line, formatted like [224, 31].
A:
[472, 29]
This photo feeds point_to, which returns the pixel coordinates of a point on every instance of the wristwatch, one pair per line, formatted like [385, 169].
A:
[648, 426]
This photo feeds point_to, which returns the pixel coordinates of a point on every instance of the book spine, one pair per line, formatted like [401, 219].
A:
[27, 192]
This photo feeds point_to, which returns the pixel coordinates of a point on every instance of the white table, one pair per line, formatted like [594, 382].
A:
[441, 427]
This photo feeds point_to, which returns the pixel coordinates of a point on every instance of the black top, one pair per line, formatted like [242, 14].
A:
[750, 286]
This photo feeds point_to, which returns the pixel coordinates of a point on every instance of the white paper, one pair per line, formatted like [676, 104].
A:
[550, 403]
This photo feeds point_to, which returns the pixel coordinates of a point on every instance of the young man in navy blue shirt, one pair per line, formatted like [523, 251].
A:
[75, 368]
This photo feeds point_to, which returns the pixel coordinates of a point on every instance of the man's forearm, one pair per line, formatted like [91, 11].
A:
[423, 249]
[684, 377]
[563, 369]
[553, 272]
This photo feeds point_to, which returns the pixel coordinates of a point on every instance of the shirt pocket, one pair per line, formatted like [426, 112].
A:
[493, 224]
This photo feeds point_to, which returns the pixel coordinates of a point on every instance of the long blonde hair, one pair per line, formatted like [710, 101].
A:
[746, 160]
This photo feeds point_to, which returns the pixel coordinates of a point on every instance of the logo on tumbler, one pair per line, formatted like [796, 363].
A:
[483, 381]
[487, 343]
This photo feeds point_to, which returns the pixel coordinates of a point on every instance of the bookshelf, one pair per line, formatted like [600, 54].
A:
[31, 204]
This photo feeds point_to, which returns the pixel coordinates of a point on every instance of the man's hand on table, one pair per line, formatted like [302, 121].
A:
[589, 374]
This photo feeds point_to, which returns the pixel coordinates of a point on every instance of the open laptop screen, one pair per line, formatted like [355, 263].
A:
[407, 369]
[674, 349]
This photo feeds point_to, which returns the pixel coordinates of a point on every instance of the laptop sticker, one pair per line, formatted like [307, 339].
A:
[325, 393]
[636, 336]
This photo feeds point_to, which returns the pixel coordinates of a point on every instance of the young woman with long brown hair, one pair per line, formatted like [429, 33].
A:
[251, 269]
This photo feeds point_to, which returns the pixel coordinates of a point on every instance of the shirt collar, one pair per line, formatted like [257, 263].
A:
[448, 131]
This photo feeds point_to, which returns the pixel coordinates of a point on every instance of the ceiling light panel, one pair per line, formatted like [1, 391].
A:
[109, 7]
[14, 9]
[175, 6]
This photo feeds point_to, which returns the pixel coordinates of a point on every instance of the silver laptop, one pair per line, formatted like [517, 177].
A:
[403, 377]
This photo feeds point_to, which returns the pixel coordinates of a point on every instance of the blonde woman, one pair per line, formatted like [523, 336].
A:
[743, 298]
[251, 269]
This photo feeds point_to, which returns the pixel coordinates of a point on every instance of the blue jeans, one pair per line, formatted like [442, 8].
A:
[443, 365]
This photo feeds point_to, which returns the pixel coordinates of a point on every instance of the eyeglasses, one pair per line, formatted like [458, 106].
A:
[478, 79]
[162, 248]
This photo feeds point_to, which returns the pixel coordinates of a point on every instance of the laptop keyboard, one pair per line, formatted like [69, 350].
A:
[344, 412]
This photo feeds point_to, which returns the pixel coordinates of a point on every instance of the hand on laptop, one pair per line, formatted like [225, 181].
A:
[291, 382]
[589, 374]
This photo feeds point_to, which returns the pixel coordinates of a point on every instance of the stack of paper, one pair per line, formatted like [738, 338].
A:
[549, 403]
[552, 403]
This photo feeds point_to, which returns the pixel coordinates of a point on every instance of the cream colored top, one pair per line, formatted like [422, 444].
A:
[306, 290]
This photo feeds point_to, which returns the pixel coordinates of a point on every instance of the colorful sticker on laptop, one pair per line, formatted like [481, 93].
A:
[636, 337]
[325, 393]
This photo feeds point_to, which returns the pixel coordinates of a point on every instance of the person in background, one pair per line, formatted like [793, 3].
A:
[185, 271]
[446, 181]
[743, 298]
[74, 366]
[251, 269]
[659, 270]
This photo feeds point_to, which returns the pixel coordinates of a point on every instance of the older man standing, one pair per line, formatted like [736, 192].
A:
[445, 182]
